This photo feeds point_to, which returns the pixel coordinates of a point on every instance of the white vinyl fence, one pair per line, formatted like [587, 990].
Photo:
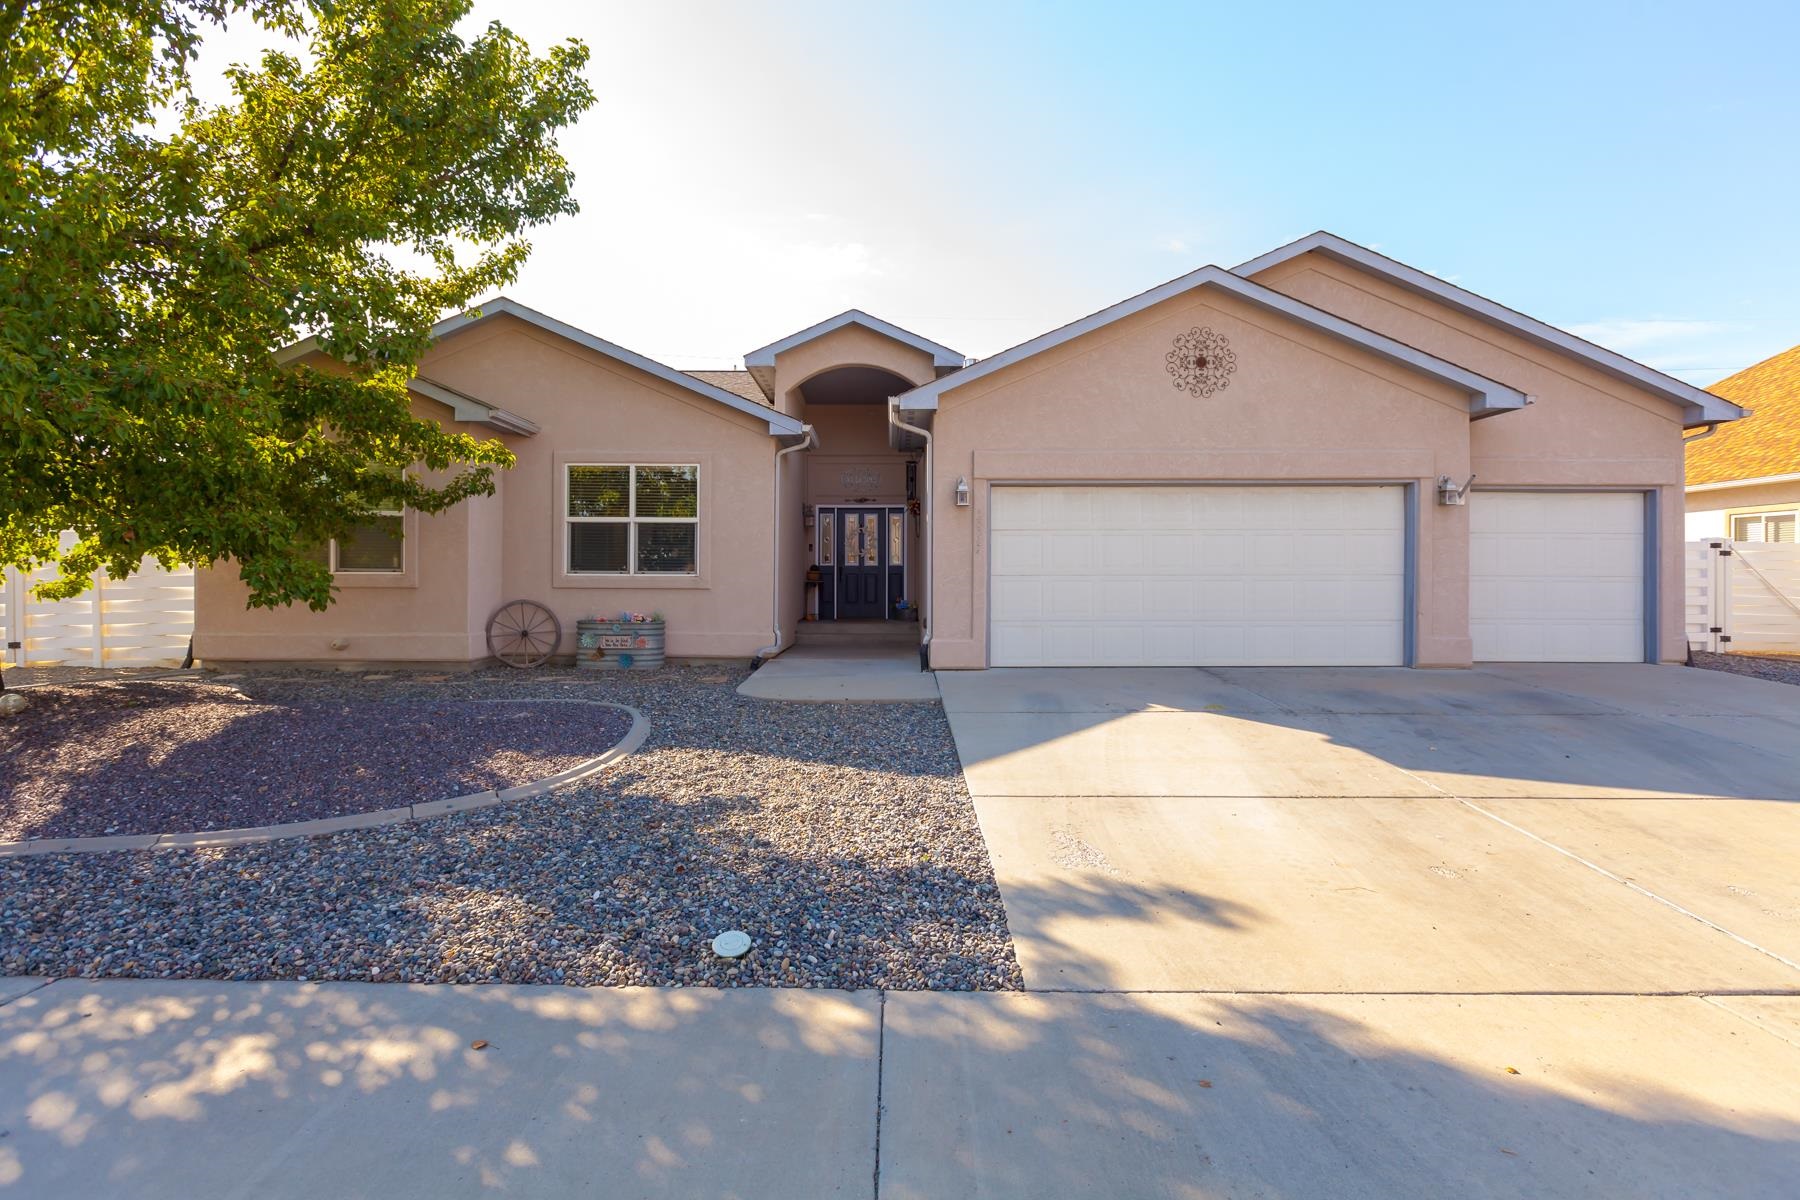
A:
[144, 621]
[1743, 596]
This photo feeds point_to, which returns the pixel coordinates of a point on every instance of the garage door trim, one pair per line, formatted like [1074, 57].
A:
[1651, 568]
[1409, 505]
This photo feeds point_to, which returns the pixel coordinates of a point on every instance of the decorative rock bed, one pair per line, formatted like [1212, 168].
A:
[1774, 669]
[110, 759]
[839, 837]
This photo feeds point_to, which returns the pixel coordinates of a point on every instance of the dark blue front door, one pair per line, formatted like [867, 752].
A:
[862, 568]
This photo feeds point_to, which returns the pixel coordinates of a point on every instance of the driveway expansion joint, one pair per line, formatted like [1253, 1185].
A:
[626, 746]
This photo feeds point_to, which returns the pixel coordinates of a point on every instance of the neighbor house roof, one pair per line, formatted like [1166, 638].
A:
[1765, 447]
[1486, 396]
[779, 423]
[1699, 407]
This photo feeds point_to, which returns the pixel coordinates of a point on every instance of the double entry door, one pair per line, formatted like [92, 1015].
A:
[866, 549]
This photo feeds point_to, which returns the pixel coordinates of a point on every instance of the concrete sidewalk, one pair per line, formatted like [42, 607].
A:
[178, 1090]
[832, 672]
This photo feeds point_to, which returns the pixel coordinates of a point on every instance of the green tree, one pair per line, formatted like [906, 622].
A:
[155, 252]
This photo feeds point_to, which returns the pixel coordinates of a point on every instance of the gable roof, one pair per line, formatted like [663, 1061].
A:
[1486, 396]
[760, 362]
[943, 356]
[1699, 407]
[1768, 444]
[779, 423]
[738, 383]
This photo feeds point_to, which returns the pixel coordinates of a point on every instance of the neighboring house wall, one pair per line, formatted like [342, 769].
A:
[1585, 429]
[465, 562]
[1301, 407]
[1709, 511]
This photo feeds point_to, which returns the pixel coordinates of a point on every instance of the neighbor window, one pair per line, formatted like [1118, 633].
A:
[1763, 527]
[377, 547]
[632, 519]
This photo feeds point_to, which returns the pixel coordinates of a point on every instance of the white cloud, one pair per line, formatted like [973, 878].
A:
[1629, 334]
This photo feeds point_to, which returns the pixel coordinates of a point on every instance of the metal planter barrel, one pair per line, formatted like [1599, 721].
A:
[619, 645]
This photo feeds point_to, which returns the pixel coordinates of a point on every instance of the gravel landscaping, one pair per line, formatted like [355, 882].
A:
[141, 756]
[840, 837]
[1779, 670]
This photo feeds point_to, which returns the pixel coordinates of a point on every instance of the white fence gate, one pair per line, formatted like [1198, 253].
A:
[1743, 596]
[143, 621]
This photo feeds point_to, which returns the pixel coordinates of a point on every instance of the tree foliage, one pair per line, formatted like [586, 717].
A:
[155, 252]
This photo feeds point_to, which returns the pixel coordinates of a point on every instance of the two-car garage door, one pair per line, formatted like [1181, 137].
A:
[1299, 576]
[1176, 576]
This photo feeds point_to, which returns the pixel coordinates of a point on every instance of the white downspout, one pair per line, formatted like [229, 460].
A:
[925, 613]
[808, 442]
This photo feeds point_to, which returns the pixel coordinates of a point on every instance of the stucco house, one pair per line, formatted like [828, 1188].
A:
[1270, 464]
[1743, 480]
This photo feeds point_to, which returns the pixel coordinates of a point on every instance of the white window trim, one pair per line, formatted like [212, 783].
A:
[400, 570]
[408, 574]
[1733, 519]
[631, 521]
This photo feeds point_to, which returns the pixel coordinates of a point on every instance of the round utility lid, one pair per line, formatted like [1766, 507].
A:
[733, 943]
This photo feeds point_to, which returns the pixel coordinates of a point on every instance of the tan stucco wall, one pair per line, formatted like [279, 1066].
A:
[1709, 512]
[1301, 407]
[590, 409]
[421, 615]
[1584, 430]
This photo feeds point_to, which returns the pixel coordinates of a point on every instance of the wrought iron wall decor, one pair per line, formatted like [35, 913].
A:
[1202, 361]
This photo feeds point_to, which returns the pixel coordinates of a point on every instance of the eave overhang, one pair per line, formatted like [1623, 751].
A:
[1486, 396]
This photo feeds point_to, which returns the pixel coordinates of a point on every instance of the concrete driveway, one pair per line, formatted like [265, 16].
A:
[1360, 889]
[1334, 934]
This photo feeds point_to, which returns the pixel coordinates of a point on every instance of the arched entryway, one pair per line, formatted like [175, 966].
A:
[861, 496]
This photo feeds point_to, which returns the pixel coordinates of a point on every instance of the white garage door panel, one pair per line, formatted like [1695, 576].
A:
[1556, 576]
[1175, 576]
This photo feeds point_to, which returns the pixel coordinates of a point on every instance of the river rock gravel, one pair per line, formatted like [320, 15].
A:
[839, 837]
[1777, 670]
[140, 756]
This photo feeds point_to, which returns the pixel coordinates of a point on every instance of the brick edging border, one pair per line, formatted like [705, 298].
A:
[627, 745]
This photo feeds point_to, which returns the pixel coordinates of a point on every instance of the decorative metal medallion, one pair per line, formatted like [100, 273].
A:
[1202, 362]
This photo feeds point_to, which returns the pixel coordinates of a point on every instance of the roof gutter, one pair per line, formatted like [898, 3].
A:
[808, 440]
[925, 613]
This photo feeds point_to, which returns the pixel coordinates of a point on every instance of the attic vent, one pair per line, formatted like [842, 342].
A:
[1202, 362]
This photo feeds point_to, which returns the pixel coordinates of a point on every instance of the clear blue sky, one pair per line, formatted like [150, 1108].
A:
[982, 172]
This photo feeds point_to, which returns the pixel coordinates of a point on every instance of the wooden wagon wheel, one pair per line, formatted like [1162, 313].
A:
[523, 633]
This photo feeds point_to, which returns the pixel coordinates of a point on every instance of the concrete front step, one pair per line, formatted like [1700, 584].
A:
[866, 633]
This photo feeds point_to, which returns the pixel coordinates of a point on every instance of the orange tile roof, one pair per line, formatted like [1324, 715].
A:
[1765, 443]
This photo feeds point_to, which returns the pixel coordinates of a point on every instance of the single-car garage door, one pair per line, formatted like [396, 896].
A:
[1556, 576]
[1197, 576]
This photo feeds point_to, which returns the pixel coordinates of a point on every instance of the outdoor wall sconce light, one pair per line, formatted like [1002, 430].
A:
[962, 491]
[807, 514]
[1451, 495]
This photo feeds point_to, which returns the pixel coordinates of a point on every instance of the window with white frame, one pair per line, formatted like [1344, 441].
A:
[376, 547]
[636, 519]
[1764, 527]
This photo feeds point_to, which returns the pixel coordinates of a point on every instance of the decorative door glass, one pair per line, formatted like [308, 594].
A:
[895, 528]
[871, 540]
[827, 540]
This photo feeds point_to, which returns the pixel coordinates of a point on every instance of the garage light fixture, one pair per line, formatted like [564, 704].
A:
[962, 491]
[1450, 494]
